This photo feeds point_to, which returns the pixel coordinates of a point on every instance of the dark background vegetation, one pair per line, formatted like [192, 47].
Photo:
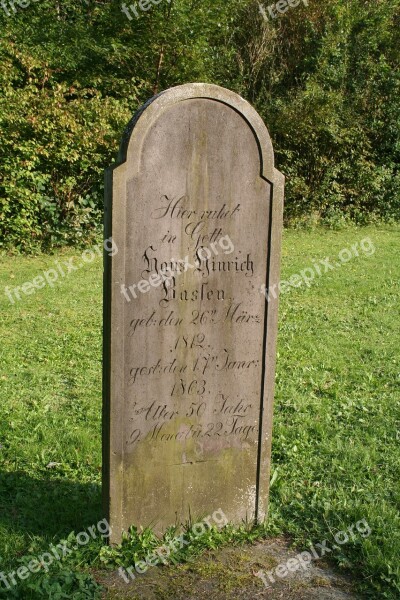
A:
[324, 78]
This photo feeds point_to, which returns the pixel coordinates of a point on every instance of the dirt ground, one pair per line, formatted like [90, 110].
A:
[231, 573]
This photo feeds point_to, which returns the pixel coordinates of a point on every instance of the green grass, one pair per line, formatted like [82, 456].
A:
[336, 443]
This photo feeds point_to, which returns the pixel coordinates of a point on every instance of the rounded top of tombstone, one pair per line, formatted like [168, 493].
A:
[145, 117]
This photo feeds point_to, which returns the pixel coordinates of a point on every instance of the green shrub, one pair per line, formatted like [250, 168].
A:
[324, 77]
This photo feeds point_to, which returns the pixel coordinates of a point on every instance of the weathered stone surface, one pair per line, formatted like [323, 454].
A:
[189, 361]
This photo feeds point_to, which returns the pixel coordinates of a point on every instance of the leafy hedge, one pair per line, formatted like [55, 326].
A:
[324, 77]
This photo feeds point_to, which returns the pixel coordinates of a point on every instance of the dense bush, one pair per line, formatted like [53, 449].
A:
[324, 77]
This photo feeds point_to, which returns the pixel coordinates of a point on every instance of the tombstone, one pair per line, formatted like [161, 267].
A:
[194, 205]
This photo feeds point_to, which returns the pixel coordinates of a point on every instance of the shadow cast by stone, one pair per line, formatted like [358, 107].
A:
[47, 506]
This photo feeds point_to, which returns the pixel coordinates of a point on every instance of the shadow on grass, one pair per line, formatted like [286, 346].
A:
[47, 507]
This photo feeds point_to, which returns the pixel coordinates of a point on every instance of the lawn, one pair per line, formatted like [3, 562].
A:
[336, 443]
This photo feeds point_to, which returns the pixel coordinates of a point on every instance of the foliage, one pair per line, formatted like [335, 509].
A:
[65, 584]
[324, 77]
[51, 166]
[326, 80]
[139, 545]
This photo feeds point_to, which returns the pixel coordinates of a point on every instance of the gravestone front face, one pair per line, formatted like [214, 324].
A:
[195, 209]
